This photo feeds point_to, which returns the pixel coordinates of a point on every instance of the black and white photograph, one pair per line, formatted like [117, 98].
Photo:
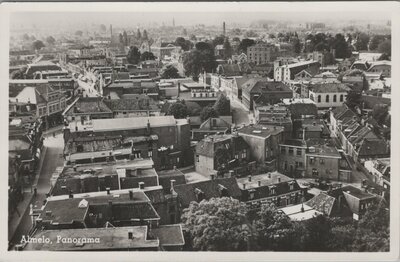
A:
[259, 128]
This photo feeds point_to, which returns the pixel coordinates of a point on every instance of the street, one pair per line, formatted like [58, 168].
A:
[88, 88]
[239, 113]
[51, 161]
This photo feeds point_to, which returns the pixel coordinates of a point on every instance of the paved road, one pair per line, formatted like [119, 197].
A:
[52, 160]
[240, 114]
[88, 89]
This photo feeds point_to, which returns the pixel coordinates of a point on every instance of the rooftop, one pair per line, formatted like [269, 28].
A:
[295, 213]
[261, 130]
[112, 238]
[268, 179]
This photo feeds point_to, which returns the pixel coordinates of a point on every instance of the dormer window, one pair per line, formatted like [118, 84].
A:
[251, 194]
[291, 185]
[272, 190]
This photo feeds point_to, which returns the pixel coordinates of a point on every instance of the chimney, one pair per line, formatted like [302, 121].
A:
[231, 173]
[108, 190]
[130, 194]
[269, 174]
[244, 185]
[70, 194]
[141, 185]
[250, 178]
[148, 126]
[259, 183]
[212, 176]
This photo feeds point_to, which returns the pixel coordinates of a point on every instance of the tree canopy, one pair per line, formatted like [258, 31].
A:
[37, 45]
[178, 110]
[385, 47]
[50, 40]
[218, 224]
[186, 45]
[200, 59]
[133, 56]
[169, 72]
[222, 105]
[147, 56]
[208, 112]
[244, 44]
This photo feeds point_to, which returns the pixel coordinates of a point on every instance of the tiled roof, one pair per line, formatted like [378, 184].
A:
[297, 110]
[329, 88]
[370, 147]
[322, 203]
[210, 188]
[141, 102]
[87, 105]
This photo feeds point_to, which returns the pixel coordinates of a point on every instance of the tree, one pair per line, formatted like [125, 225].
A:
[145, 36]
[79, 33]
[37, 45]
[380, 113]
[227, 49]
[133, 56]
[17, 74]
[50, 40]
[121, 38]
[342, 237]
[251, 33]
[341, 47]
[362, 42]
[183, 43]
[25, 37]
[353, 99]
[178, 110]
[138, 34]
[208, 112]
[222, 105]
[328, 58]
[296, 45]
[103, 28]
[375, 41]
[244, 44]
[385, 47]
[125, 38]
[318, 233]
[147, 56]
[192, 37]
[373, 231]
[218, 40]
[200, 59]
[273, 228]
[170, 72]
[218, 224]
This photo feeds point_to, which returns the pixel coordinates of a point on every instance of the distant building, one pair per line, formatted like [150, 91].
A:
[327, 95]
[87, 108]
[274, 115]
[384, 67]
[288, 72]
[264, 91]
[211, 126]
[380, 169]
[262, 53]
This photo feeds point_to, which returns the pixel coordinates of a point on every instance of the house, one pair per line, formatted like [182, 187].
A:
[237, 87]
[328, 95]
[261, 53]
[357, 200]
[199, 95]
[220, 152]
[329, 205]
[170, 136]
[323, 161]
[264, 91]
[288, 72]
[384, 67]
[212, 126]
[292, 157]
[356, 82]
[301, 108]
[264, 143]
[362, 65]
[240, 59]
[40, 66]
[166, 176]
[86, 108]
[48, 100]
[380, 170]
[128, 207]
[219, 51]
[214, 188]
[272, 187]
[111, 175]
[369, 56]
[276, 115]
[340, 116]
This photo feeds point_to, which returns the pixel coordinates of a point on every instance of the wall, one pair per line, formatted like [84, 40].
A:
[330, 164]
[331, 103]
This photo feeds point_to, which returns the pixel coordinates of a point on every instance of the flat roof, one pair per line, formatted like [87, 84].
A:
[295, 213]
[107, 239]
[261, 130]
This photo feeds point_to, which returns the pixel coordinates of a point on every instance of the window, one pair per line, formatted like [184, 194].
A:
[327, 98]
[150, 153]
[236, 156]
[285, 166]
[251, 194]
[334, 98]
[319, 99]
[298, 152]
[291, 151]
[272, 191]
[283, 150]
[197, 158]
[312, 160]
[244, 153]
[341, 98]
[322, 161]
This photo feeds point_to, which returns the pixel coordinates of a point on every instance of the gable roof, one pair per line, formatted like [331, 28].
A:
[210, 188]
[329, 88]
[323, 203]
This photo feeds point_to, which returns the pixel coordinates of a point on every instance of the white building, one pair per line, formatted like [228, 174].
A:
[327, 95]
